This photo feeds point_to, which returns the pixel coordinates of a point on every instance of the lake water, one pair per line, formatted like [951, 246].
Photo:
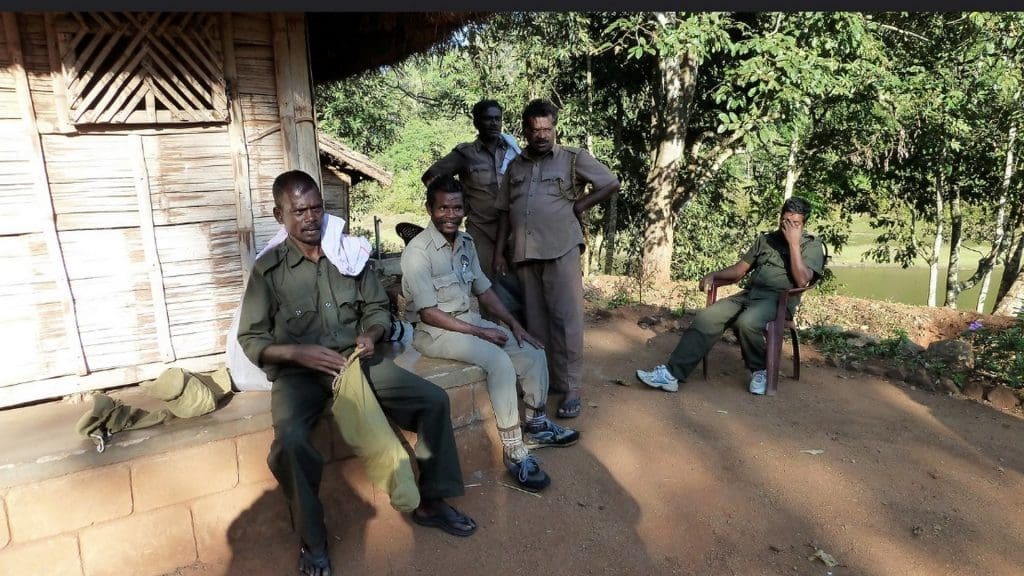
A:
[908, 285]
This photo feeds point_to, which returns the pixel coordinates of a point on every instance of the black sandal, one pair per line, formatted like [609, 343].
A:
[450, 520]
[570, 408]
[314, 564]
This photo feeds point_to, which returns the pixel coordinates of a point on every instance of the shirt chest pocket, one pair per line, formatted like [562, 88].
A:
[300, 317]
[516, 187]
[556, 184]
[448, 288]
[481, 175]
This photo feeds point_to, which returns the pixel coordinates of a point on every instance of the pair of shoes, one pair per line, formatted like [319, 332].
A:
[314, 564]
[527, 473]
[570, 408]
[449, 519]
[660, 377]
[547, 434]
[758, 381]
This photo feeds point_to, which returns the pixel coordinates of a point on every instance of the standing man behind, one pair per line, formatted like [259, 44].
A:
[480, 166]
[440, 271]
[786, 258]
[541, 202]
[301, 317]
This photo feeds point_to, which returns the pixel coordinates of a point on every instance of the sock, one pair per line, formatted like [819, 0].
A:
[512, 443]
[535, 419]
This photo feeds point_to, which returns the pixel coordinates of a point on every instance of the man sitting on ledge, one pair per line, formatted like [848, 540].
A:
[301, 318]
[786, 258]
[440, 270]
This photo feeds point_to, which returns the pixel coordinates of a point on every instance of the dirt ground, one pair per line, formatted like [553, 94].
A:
[711, 480]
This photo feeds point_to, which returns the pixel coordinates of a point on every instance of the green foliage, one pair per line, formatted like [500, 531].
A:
[999, 354]
[830, 340]
[869, 114]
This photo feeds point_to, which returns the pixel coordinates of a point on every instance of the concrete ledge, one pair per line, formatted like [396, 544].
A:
[174, 489]
[39, 442]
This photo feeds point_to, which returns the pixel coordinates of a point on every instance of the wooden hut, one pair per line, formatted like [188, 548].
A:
[340, 168]
[137, 153]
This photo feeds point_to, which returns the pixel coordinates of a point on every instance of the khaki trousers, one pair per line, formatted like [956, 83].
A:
[553, 304]
[502, 364]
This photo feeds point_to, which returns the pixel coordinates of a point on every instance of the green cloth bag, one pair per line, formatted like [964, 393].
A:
[366, 429]
[189, 394]
[109, 416]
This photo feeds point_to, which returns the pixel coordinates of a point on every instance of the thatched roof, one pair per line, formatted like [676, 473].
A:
[355, 164]
[344, 44]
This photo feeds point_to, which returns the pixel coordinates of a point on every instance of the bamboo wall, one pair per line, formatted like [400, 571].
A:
[125, 248]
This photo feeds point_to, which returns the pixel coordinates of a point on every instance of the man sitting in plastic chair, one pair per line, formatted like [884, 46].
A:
[778, 261]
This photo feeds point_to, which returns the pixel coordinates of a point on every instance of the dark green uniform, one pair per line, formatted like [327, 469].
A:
[292, 300]
[748, 311]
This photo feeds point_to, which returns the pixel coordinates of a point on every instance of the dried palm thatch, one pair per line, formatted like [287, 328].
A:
[344, 44]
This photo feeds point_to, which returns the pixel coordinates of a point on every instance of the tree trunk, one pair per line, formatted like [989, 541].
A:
[792, 171]
[678, 76]
[612, 214]
[933, 262]
[590, 146]
[1000, 238]
[956, 226]
[1011, 289]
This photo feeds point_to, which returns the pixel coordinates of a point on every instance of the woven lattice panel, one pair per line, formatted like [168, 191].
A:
[142, 68]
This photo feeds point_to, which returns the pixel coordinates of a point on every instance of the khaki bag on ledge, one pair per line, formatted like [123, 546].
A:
[366, 429]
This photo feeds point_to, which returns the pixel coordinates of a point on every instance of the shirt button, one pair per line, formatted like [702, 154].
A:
[528, 232]
[327, 304]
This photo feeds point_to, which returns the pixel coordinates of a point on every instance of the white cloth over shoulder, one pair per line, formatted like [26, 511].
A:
[510, 153]
[348, 254]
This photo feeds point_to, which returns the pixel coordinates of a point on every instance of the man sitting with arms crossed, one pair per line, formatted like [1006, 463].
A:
[780, 260]
[301, 317]
[440, 270]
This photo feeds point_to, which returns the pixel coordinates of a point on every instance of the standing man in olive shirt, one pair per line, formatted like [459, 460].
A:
[300, 319]
[480, 166]
[541, 202]
[787, 258]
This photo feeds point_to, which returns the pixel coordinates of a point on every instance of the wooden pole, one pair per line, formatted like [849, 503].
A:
[302, 95]
[239, 152]
[285, 96]
[148, 232]
[60, 92]
[42, 188]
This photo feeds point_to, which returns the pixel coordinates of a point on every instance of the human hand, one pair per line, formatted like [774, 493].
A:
[523, 336]
[791, 231]
[365, 341]
[318, 358]
[706, 282]
[493, 335]
[500, 265]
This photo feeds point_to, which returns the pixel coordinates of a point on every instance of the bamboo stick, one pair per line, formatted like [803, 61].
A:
[239, 152]
[147, 229]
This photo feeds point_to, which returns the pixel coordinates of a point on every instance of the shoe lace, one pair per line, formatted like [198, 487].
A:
[527, 466]
[555, 429]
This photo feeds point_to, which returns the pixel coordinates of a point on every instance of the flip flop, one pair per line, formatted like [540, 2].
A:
[570, 408]
[448, 520]
[314, 564]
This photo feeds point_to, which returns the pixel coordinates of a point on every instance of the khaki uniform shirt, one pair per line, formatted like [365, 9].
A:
[769, 260]
[291, 300]
[478, 172]
[538, 193]
[435, 273]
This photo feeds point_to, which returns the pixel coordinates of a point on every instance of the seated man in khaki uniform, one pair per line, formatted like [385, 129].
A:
[787, 258]
[440, 270]
[301, 317]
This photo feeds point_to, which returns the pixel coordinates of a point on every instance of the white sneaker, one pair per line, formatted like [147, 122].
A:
[758, 381]
[660, 377]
